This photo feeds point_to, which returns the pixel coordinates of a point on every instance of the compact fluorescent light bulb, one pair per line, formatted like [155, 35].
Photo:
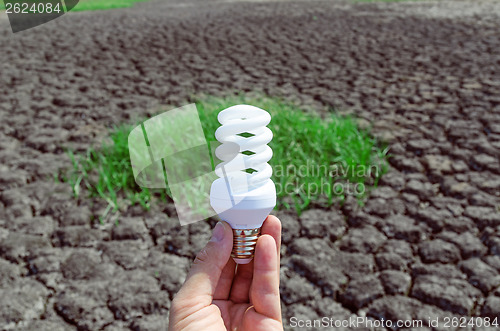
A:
[243, 199]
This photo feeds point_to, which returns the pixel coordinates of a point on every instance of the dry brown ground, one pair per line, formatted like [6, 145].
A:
[427, 75]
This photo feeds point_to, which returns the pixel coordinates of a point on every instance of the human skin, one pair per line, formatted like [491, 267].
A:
[218, 295]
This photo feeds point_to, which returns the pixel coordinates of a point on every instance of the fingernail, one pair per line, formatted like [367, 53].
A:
[218, 233]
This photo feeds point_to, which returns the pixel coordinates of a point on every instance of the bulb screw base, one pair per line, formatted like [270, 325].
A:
[244, 241]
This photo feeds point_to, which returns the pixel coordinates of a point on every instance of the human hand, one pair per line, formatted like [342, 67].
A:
[218, 296]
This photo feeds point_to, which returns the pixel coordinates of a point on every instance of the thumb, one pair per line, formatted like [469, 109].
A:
[202, 279]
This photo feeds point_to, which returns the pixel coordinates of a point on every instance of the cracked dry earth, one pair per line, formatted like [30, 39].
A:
[425, 74]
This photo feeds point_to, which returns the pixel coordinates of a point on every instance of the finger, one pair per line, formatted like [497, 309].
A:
[264, 292]
[241, 284]
[225, 281]
[201, 282]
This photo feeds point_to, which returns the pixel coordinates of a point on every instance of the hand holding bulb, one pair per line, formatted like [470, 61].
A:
[217, 296]
[242, 292]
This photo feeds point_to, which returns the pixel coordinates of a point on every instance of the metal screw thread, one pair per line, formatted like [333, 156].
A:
[244, 241]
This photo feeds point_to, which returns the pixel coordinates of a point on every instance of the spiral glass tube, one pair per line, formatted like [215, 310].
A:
[244, 126]
[246, 174]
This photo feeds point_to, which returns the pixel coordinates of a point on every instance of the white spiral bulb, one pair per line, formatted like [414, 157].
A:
[237, 120]
[243, 199]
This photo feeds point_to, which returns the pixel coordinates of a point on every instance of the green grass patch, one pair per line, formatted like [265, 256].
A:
[319, 159]
[104, 4]
[84, 5]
